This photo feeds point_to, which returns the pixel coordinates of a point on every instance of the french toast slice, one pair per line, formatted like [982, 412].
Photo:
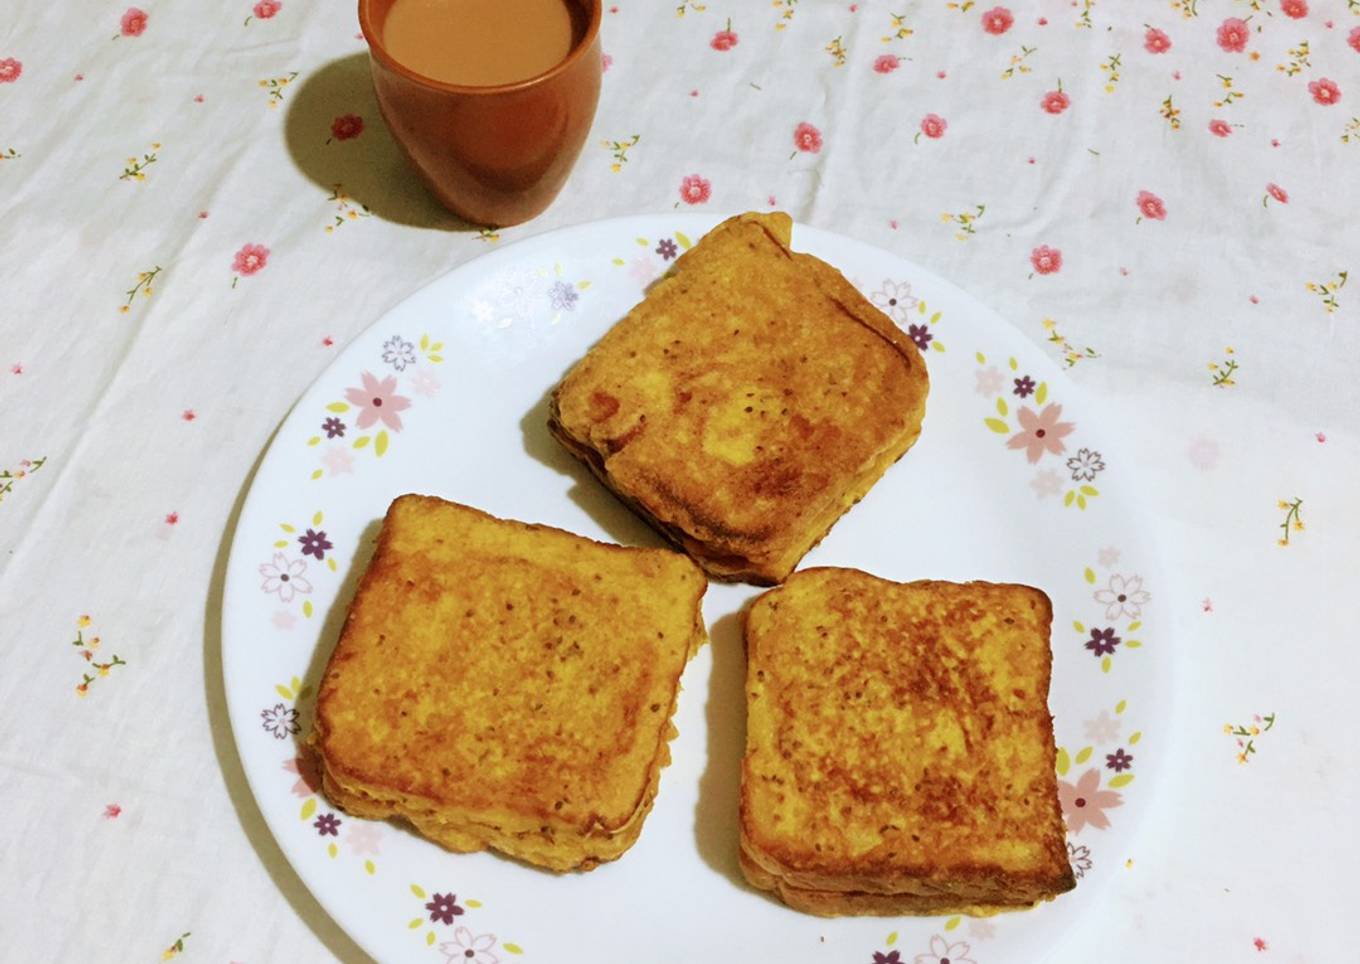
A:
[505, 685]
[899, 752]
[748, 401]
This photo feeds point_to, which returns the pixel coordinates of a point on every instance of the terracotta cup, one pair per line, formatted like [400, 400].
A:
[492, 155]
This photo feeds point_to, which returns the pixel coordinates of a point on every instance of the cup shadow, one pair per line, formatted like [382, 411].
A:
[369, 168]
[717, 828]
[299, 898]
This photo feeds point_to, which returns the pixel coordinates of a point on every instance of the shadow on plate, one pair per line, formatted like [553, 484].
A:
[619, 522]
[717, 827]
[369, 168]
[224, 748]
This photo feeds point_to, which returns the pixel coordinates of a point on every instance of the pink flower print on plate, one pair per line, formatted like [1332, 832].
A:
[1156, 41]
[988, 380]
[1233, 34]
[377, 401]
[133, 22]
[284, 578]
[338, 460]
[943, 952]
[308, 775]
[364, 839]
[1123, 597]
[10, 70]
[1041, 433]
[425, 383]
[1046, 483]
[643, 270]
[1104, 728]
[467, 949]
[1084, 803]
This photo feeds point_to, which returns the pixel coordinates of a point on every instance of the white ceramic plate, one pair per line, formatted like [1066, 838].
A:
[463, 367]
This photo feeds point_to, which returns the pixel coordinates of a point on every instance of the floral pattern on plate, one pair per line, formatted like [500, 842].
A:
[370, 414]
[1034, 425]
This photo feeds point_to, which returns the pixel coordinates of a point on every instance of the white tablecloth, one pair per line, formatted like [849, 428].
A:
[193, 222]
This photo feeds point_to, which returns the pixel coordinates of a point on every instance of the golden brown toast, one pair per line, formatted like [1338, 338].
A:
[506, 685]
[746, 403]
[899, 750]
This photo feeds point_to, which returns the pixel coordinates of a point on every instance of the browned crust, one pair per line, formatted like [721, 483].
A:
[766, 554]
[825, 881]
[598, 833]
[851, 903]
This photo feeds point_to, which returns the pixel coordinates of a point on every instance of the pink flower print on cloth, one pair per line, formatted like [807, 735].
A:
[132, 23]
[1123, 597]
[250, 259]
[378, 401]
[467, 949]
[1085, 803]
[286, 579]
[1041, 432]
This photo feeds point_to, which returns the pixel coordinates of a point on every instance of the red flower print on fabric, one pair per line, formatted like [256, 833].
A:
[1353, 39]
[133, 22]
[347, 127]
[1046, 260]
[933, 126]
[1151, 206]
[1219, 128]
[724, 39]
[1297, 9]
[10, 70]
[1156, 41]
[695, 189]
[887, 63]
[1055, 101]
[266, 9]
[1233, 34]
[1277, 192]
[1325, 91]
[606, 61]
[807, 138]
[250, 259]
[997, 20]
